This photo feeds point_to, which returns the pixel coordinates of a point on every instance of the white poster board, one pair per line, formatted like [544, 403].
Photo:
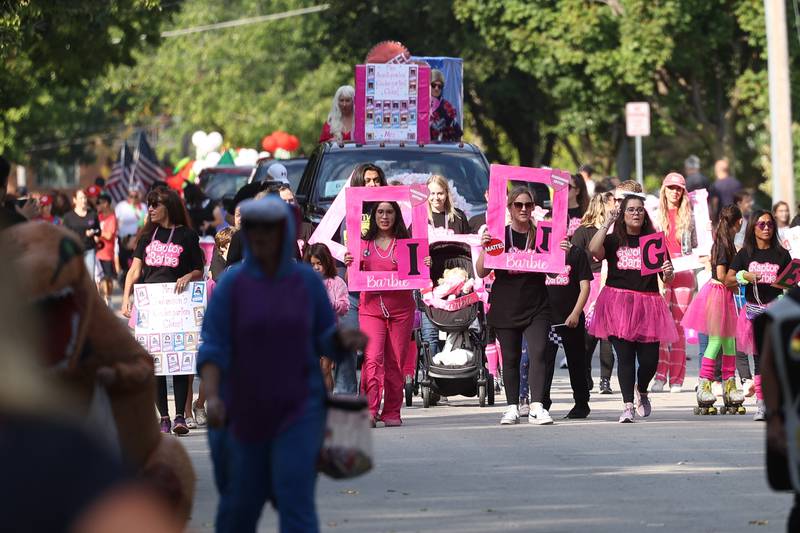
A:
[168, 324]
[790, 239]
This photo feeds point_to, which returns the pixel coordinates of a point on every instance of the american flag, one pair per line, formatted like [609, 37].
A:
[146, 170]
[119, 181]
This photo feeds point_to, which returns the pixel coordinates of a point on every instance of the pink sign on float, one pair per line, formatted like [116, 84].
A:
[653, 250]
[392, 280]
[546, 256]
[392, 103]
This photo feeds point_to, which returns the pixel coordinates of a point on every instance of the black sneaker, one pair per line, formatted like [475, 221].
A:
[605, 386]
[579, 411]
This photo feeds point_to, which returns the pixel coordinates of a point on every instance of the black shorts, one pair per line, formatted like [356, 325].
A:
[108, 269]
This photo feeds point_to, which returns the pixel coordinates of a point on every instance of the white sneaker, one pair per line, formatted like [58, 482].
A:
[511, 416]
[748, 387]
[676, 388]
[539, 415]
[716, 388]
[657, 386]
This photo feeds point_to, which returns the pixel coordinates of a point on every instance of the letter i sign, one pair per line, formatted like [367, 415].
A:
[411, 254]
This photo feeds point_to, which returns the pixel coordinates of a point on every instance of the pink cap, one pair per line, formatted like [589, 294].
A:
[45, 199]
[673, 178]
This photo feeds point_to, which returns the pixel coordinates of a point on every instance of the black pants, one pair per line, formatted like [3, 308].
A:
[511, 344]
[574, 347]
[125, 258]
[606, 356]
[180, 384]
[628, 352]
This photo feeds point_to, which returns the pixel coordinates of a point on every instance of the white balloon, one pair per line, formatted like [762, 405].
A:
[213, 158]
[214, 140]
[198, 138]
[263, 153]
[246, 156]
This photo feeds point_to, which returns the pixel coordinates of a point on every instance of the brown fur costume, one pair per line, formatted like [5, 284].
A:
[87, 344]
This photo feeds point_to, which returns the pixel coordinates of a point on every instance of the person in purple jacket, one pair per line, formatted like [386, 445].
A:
[265, 328]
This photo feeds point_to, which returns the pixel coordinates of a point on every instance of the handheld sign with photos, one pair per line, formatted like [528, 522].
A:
[546, 255]
[653, 251]
[411, 271]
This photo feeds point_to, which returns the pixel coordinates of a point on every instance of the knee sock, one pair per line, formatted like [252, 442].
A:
[759, 392]
[728, 366]
[492, 358]
[707, 368]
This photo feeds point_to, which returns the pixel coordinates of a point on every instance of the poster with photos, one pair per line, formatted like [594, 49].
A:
[168, 325]
[388, 103]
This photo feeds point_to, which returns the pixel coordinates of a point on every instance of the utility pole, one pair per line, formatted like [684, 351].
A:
[780, 109]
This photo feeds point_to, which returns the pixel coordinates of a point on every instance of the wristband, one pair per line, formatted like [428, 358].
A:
[740, 278]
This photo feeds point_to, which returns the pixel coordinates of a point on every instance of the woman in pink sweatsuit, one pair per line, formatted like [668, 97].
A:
[386, 317]
[321, 260]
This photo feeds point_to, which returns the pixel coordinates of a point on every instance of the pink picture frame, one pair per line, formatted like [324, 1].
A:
[417, 197]
[547, 256]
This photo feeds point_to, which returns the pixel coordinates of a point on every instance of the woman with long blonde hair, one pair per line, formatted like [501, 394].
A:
[677, 222]
[441, 211]
[339, 126]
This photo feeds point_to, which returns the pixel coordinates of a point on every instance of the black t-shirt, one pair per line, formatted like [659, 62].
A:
[583, 236]
[476, 222]
[564, 289]
[769, 263]
[720, 258]
[574, 215]
[167, 260]
[625, 266]
[459, 224]
[79, 224]
[235, 250]
[517, 297]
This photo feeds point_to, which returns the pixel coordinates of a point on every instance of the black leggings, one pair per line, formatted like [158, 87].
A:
[180, 384]
[574, 347]
[606, 356]
[627, 353]
[511, 345]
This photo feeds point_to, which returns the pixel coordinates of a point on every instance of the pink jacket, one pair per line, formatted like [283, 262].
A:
[337, 293]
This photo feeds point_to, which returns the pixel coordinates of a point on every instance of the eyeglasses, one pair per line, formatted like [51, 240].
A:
[634, 210]
[437, 85]
[765, 225]
[520, 205]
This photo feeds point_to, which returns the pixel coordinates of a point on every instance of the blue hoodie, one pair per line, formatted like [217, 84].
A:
[266, 335]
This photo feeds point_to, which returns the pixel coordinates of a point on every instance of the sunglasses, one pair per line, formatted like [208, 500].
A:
[520, 205]
[634, 210]
[765, 225]
[153, 204]
[674, 187]
[437, 85]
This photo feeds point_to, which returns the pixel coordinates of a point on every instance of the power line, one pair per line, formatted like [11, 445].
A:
[246, 21]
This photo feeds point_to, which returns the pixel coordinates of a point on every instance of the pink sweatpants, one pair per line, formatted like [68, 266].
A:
[672, 357]
[381, 372]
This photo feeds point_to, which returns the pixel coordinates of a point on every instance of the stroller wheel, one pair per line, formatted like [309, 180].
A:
[408, 388]
[482, 395]
[426, 396]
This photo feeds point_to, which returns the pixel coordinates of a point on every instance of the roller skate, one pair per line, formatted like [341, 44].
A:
[705, 398]
[732, 398]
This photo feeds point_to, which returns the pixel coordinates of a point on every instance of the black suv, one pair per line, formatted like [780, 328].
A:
[329, 166]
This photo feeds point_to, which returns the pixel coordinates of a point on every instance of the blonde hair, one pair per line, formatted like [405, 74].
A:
[684, 220]
[335, 116]
[630, 186]
[595, 213]
[449, 208]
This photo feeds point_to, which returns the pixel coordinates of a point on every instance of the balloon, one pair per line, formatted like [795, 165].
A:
[282, 153]
[294, 143]
[264, 154]
[214, 140]
[283, 139]
[269, 143]
[212, 158]
[199, 138]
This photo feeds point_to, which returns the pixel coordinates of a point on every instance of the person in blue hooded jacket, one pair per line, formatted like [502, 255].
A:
[265, 328]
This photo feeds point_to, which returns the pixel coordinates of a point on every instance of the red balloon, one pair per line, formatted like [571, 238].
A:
[269, 143]
[283, 139]
[294, 143]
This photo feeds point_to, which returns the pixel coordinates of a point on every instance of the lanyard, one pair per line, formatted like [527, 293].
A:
[511, 239]
[171, 233]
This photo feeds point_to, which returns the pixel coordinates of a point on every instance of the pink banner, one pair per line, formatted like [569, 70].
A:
[546, 256]
[392, 103]
[417, 197]
[653, 250]
[449, 305]
[330, 223]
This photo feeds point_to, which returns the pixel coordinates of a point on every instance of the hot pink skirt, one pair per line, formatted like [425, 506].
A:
[712, 312]
[745, 338]
[633, 316]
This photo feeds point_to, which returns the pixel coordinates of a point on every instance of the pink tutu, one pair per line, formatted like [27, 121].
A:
[712, 312]
[633, 316]
[745, 339]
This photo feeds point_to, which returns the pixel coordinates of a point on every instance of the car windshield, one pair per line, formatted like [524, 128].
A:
[466, 171]
[294, 169]
[218, 185]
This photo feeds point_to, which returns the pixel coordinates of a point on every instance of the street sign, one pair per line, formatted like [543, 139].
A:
[637, 119]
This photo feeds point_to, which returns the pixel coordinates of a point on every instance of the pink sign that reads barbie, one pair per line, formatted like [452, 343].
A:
[359, 280]
[546, 255]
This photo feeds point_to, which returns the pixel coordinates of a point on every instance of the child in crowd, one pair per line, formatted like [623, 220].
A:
[321, 260]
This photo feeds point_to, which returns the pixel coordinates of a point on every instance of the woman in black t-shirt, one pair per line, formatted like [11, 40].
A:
[441, 211]
[630, 311]
[577, 203]
[83, 221]
[756, 266]
[520, 308]
[168, 251]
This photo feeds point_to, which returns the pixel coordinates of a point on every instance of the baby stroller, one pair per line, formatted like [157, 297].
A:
[464, 323]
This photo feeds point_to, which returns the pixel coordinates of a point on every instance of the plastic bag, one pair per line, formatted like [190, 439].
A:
[347, 448]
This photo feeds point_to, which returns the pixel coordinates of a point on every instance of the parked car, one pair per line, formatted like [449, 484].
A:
[330, 165]
[294, 169]
[222, 182]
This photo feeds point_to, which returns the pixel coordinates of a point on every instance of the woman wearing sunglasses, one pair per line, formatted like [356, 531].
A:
[444, 118]
[167, 251]
[756, 266]
[629, 310]
[520, 308]
[676, 220]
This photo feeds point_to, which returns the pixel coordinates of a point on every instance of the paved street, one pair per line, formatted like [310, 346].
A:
[454, 469]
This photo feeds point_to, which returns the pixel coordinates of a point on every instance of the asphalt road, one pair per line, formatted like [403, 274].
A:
[454, 469]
